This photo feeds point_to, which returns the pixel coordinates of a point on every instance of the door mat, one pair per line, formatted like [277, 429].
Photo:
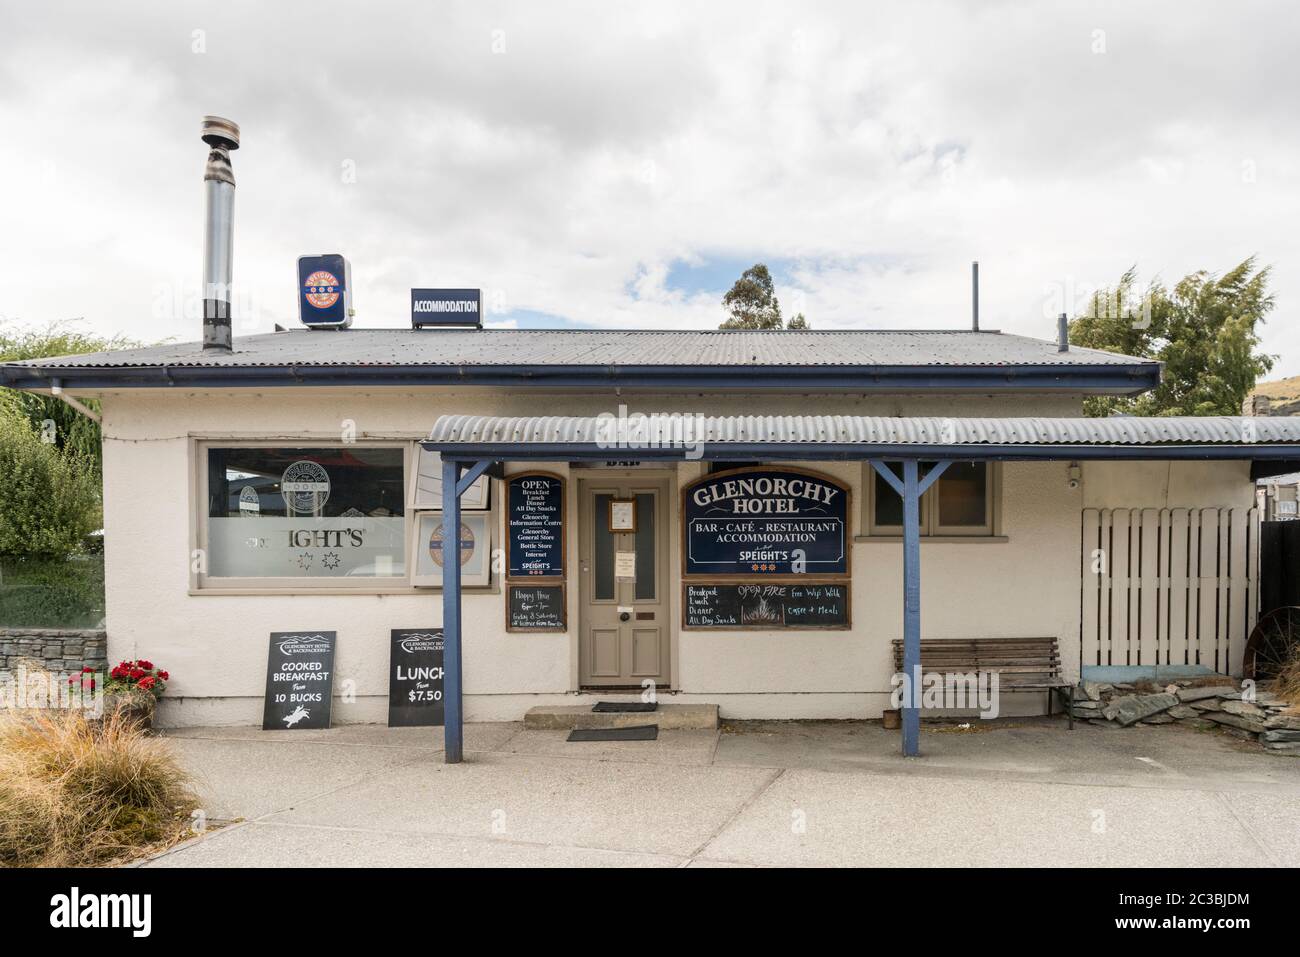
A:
[643, 732]
[615, 706]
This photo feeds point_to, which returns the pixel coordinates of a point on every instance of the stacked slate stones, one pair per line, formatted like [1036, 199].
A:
[1204, 704]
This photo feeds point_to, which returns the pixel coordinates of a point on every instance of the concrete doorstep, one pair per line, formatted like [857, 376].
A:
[669, 717]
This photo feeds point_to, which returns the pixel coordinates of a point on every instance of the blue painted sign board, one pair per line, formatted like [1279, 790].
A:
[535, 526]
[446, 307]
[760, 522]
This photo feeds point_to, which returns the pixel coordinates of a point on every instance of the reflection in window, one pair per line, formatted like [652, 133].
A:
[604, 551]
[645, 546]
[306, 512]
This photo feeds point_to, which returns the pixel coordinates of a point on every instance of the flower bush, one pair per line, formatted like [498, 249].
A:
[136, 678]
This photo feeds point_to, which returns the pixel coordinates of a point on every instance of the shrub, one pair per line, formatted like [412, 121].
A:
[49, 500]
[43, 593]
[76, 792]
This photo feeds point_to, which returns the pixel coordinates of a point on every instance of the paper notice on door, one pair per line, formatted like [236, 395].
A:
[625, 566]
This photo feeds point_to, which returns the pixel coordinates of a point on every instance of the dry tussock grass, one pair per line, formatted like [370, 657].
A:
[77, 792]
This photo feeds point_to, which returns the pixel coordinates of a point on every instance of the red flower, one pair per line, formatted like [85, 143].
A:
[146, 684]
[163, 675]
[146, 665]
[87, 670]
[135, 674]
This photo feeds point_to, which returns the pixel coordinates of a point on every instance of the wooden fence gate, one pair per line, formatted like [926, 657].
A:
[1168, 586]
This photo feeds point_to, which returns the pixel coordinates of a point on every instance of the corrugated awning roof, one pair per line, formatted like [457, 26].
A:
[833, 359]
[670, 436]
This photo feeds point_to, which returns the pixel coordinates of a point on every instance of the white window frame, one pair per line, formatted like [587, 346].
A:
[991, 530]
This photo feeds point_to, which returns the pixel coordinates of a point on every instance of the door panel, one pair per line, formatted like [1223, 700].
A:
[624, 634]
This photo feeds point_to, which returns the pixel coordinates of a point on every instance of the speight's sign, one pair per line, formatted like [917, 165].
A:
[446, 307]
[759, 522]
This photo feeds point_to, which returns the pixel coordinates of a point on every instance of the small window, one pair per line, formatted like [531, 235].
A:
[306, 513]
[962, 502]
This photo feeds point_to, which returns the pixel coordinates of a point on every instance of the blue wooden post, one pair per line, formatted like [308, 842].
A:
[454, 716]
[911, 608]
[910, 490]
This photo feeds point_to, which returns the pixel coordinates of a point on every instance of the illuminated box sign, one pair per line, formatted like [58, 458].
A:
[761, 522]
[446, 307]
[324, 291]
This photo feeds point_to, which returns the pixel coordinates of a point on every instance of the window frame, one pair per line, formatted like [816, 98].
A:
[931, 530]
[202, 583]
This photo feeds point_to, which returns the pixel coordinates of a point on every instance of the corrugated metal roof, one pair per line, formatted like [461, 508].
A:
[452, 430]
[602, 347]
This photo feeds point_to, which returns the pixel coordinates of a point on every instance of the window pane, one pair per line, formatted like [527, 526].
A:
[888, 503]
[645, 547]
[603, 559]
[962, 498]
[306, 513]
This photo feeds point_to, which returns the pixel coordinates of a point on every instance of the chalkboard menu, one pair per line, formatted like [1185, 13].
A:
[765, 522]
[535, 608]
[299, 680]
[766, 605]
[415, 678]
[535, 526]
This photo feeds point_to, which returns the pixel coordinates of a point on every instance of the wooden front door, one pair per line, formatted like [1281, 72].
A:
[624, 592]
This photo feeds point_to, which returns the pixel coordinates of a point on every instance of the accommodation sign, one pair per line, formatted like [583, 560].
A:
[535, 526]
[299, 680]
[415, 678]
[759, 522]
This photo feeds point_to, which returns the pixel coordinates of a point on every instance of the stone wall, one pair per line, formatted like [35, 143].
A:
[1217, 702]
[52, 648]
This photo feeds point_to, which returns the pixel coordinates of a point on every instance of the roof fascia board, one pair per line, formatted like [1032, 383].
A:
[1108, 379]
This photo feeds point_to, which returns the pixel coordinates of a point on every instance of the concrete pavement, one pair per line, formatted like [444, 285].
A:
[758, 793]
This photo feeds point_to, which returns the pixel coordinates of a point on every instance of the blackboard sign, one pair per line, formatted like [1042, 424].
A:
[535, 608]
[760, 522]
[764, 605]
[535, 526]
[299, 680]
[415, 678]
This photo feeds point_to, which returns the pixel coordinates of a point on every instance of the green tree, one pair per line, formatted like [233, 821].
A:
[753, 304]
[49, 499]
[72, 430]
[1205, 330]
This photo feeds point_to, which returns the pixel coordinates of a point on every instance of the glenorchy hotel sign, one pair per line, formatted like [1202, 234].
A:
[760, 521]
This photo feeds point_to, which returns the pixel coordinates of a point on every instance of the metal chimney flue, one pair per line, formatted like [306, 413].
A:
[222, 136]
[1063, 333]
[975, 296]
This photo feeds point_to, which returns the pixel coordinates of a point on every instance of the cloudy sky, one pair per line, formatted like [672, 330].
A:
[619, 164]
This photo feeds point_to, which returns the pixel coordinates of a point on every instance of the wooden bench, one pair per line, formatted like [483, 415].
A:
[1022, 664]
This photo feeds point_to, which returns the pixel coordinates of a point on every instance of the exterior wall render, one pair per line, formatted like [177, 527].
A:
[215, 645]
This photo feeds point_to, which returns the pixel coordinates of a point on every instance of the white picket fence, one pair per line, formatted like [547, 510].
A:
[1168, 586]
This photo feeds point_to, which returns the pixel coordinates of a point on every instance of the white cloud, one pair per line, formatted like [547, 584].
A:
[566, 155]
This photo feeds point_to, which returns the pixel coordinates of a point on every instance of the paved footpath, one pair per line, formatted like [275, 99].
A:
[754, 794]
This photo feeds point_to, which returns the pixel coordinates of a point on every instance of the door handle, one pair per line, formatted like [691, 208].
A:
[624, 616]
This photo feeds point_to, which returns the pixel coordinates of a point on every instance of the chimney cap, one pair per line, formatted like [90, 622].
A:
[217, 131]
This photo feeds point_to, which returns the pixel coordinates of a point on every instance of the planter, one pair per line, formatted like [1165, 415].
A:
[891, 719]
[134, 709]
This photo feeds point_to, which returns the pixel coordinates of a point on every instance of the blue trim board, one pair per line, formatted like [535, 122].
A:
[1096, 379]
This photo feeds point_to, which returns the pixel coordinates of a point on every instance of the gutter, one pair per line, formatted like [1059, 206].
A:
[817, 451]
[1094, 379]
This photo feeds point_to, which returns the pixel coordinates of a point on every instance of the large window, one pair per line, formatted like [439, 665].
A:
[962, 503]
[319, 512]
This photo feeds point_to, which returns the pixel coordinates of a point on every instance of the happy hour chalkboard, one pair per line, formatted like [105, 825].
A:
[299, 680]
[761, 522]
[806, 606]
[535, 526]
[535, 608]
[415, 678]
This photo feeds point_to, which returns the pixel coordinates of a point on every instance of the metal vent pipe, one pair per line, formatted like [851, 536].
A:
[222, 136]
